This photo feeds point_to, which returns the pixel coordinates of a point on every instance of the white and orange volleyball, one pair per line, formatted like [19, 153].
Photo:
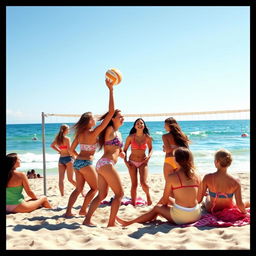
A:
[114, 75]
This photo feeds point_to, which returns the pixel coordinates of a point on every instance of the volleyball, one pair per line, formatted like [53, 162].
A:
[114, 75]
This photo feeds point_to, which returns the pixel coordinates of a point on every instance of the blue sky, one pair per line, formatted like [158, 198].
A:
[173, 59]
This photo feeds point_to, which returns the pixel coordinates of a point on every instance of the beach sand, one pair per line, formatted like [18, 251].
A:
[48, 229]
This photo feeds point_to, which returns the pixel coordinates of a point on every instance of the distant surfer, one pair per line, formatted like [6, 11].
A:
[244, 135]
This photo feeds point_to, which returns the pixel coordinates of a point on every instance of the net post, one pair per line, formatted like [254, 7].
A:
[43, 145]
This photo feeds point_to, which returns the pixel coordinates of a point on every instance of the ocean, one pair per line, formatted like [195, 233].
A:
[206, 137]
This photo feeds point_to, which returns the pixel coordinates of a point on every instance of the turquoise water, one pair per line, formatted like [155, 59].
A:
[206, 137]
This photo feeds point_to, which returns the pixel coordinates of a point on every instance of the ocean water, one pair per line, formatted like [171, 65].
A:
[206, 137]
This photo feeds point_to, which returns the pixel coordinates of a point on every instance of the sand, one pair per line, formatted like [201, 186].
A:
[48, 229]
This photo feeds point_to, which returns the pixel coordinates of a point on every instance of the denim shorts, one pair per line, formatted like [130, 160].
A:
[65, 159]
[78, 164]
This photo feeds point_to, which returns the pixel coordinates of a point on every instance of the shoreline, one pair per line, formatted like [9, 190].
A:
[32, 230]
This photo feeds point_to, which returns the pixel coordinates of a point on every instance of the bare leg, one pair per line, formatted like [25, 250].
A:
[33, 205]
[103, 191]
[70, 172]
[91, 176]
[134, 181]
[113, 180]
[62, 169]
[73, 197]
[163, 211]
[143, 181]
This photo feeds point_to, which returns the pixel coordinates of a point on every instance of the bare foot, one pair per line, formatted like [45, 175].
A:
[46, 204]
[69, 215]
[149, 201]
[123, 222]
[82, 212]
[89, 223]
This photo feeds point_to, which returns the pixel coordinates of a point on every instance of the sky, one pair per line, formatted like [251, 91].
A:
[172, 59]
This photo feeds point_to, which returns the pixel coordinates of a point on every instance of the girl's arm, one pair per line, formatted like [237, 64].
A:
[165, 199]
[69, 147]
[73, 147]
[53, 146]
[166, 146]
[111, 110]
[239, 201]
[202, 189]
[126, 146]
[27, 188]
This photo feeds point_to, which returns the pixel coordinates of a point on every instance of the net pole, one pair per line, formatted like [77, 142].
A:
[43, 145]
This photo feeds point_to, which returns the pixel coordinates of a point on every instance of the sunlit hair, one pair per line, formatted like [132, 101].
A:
[179, 137]
[184, 157]
[60, 136]
[145, 130]
[103, 132]
[11, 160]
[224, 157]
[82, 123]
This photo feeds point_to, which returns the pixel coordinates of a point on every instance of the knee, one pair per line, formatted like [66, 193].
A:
[144, 184]
[134, 185]
[119, 195]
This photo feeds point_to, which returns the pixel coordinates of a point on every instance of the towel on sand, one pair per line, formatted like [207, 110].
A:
[224, 218]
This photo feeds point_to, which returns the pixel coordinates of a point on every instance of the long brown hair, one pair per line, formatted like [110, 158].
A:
[103, 132]
[179, 137]
[82, 123]
[11, 160]
[60, 137]
[184, 157]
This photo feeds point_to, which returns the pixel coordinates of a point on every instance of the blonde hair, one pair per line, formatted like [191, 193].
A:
[224, 157]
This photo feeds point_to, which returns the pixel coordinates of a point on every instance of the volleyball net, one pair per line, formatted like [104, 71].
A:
[179, 116]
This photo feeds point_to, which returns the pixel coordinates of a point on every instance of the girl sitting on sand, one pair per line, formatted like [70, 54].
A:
[108, 176]
[61, 144]
[173, 139]
[222, 186]
[184, 184]
[87, 137]
[139, 139]
[16, 181]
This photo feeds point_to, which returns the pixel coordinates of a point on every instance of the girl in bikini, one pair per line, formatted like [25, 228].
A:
[222, 187]
[110, 139]
[185, 185]
[61, 144]
[139, 139]
[15, 183]
[87, 137]
[173, 139]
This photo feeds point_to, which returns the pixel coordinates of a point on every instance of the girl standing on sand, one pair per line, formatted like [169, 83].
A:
[108, 176]
[15, 183]
[61, 144]
[87, 137]
[173, 139]
[139, 139]
[185, 185]
[222, 186]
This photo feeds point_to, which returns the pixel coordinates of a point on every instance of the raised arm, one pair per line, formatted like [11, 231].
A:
[27, 188]
[111, 110]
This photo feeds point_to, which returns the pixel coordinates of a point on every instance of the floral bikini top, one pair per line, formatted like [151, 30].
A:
[88, 147]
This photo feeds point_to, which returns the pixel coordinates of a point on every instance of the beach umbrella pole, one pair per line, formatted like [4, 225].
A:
[43, 145]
